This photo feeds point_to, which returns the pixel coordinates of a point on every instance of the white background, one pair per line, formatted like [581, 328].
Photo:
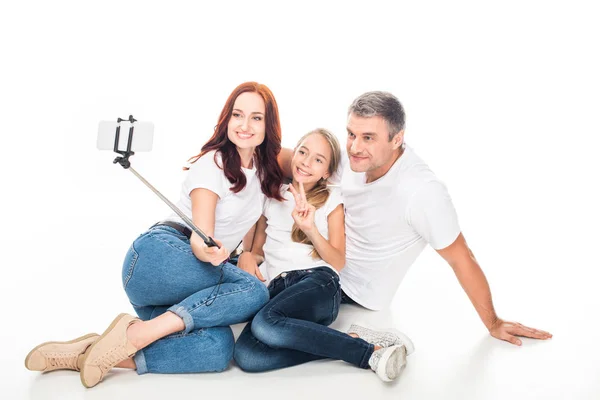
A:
[502, 101]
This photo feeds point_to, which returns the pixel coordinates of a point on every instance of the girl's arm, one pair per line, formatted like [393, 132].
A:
[332, 251]
[253, 254]
[204, 204]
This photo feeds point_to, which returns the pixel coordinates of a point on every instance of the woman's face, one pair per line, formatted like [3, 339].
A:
[246, 127]
[311, 159]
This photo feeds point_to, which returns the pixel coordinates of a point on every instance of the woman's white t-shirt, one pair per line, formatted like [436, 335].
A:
[282, 254]
[236, 212]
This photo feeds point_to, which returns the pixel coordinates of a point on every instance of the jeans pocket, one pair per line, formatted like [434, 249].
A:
[335, 301]
[129, 265]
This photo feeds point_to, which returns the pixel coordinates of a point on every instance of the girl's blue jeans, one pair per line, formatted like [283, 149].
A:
[292, 328]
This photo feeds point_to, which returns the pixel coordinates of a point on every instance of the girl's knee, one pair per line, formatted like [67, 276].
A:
[244, 357]
[264, 328]
[247, 355]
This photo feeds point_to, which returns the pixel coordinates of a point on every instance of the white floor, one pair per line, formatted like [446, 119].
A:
[454, 357]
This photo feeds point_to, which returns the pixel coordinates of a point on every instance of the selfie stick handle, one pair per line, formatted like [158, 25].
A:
[124, 161]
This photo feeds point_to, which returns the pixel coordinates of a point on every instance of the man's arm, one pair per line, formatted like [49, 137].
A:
[471, 277]
[285, 162]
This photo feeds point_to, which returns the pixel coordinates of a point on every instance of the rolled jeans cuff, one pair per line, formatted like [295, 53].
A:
[140, 362]
[181, 312]
[364, 363]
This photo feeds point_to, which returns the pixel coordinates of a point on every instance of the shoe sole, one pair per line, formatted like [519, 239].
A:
[385, 358]
[410, 347]
[89, 335]
[89, 350]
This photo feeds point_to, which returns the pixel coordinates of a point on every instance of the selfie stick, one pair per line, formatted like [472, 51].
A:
[124, 161]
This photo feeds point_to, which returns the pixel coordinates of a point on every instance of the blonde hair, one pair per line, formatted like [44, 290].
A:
[318, 195]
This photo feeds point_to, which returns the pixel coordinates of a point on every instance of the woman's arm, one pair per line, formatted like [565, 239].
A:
[204, 204]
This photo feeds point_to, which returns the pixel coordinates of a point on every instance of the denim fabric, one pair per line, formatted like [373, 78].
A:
[160, 273]
[292, 328]
[347, 300]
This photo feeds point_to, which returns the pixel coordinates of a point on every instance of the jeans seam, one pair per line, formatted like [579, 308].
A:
[335, 307]
[169, 230]
[199, 331]
[218, 295]
[131, 266]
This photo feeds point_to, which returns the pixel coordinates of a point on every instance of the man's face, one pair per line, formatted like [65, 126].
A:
[368, 145]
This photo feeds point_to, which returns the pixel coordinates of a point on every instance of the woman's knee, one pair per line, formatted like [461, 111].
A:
[222, 348]
[259, 296]
[255, 293]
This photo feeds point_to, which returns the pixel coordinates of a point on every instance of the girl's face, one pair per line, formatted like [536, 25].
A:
[311, 159]
[246, 127]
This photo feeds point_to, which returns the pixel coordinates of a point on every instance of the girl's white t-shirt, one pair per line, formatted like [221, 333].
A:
[236, 212]
[282, 254]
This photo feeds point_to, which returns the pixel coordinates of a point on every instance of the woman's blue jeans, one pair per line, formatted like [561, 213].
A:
[160, 273]
[292, 328]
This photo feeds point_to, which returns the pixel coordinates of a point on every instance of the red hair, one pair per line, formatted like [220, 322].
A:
[267, 168]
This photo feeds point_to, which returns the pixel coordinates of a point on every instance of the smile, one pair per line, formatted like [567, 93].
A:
[244, 136]
[301, 172]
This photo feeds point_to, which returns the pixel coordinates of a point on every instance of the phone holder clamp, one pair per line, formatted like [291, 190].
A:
[123, 160]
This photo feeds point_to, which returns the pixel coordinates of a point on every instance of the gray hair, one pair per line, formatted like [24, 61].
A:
[382, 104]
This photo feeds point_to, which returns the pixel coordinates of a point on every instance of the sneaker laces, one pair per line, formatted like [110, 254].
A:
[114, 356]
[63, 360]
[381, 339]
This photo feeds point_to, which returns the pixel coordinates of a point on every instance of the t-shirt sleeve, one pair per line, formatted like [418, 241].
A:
[433, 216]
[205, 174]
[335, 199]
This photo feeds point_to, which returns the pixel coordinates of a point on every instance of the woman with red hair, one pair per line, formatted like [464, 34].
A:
[185, 293]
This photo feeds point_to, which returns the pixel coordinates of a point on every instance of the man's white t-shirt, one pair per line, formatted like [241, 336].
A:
[281, 253]
[236, 212]
[388, 224]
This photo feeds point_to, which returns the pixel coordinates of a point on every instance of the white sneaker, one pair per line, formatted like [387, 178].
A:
[383, 338]
[388, 362]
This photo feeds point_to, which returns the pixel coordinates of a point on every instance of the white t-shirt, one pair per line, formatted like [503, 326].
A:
[388, 223]
[236, 212]
[281, 252]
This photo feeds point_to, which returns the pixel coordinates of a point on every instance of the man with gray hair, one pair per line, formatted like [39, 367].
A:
[394, 206]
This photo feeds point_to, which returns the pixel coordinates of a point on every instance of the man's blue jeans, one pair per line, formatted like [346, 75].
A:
[292, 328]
[160, 273]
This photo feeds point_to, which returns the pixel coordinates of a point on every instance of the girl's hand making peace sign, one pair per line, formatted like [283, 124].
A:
[303, 213]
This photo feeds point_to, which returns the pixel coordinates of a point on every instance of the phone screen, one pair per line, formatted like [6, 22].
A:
[143, 133]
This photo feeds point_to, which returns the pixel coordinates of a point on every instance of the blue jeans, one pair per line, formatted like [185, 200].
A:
[160, 273]
[292, 328]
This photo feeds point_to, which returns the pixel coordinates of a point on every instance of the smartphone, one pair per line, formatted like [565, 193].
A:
[143, 133]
